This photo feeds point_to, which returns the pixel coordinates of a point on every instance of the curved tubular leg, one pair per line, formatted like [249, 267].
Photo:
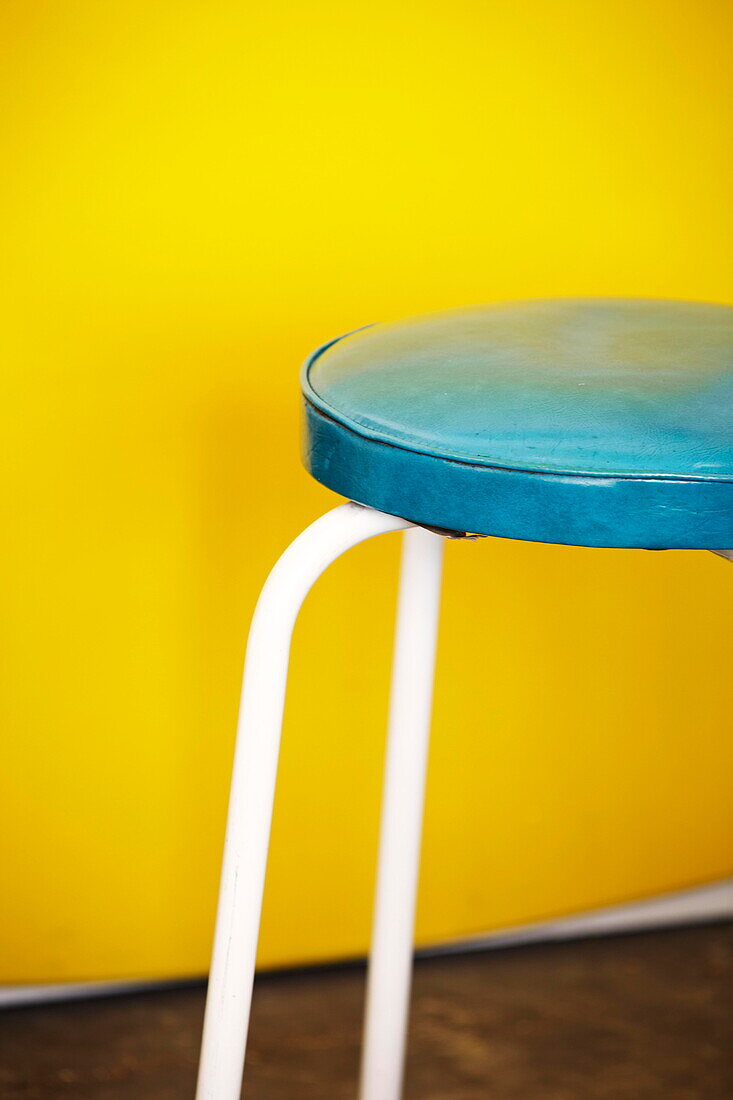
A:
[253, 787]
[390, 964]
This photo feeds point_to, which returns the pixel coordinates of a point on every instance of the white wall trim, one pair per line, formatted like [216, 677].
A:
[701, 904]
[698, 905]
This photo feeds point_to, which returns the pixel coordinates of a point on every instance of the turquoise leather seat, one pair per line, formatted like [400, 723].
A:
[597, 422]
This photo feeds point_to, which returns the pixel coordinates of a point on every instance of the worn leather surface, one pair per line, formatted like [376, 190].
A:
[604, 422]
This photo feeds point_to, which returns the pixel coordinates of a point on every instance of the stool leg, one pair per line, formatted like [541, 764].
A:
[390, 963]
[253, 788]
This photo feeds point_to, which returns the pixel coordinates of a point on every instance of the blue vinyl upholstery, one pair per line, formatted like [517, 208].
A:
[598, 422]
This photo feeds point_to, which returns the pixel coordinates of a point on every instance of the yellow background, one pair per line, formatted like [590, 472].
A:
[195, 194]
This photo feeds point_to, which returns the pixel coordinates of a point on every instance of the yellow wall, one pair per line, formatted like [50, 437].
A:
[193, 195]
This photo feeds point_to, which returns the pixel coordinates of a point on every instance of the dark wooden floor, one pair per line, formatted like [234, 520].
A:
[630, 1017]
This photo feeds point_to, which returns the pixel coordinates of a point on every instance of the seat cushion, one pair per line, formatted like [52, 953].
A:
[597, 422]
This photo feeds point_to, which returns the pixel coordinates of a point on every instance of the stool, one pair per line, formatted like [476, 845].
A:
[591, 422]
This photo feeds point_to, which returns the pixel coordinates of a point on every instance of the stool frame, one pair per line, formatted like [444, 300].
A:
[253, 789]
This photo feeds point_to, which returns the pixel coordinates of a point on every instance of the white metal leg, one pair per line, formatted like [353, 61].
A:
[253, 788]
[390, 964]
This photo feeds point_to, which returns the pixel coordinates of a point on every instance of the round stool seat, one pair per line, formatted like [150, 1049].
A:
[597, 422]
